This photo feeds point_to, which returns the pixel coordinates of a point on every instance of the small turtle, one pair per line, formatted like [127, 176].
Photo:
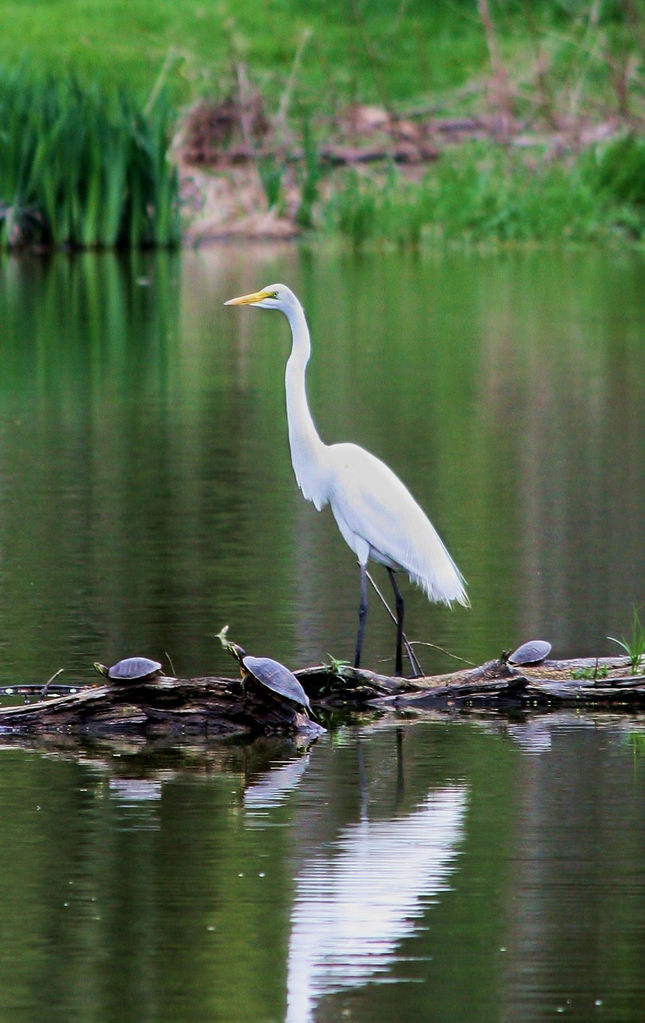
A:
[276, 677]
[533, 652]
[130, 670]
[268, 673]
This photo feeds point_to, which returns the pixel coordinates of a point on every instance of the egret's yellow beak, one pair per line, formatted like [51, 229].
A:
[257, 296]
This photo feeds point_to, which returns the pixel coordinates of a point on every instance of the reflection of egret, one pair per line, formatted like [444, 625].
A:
[357, 901]
[375, 512]
[274, 787]
[135, 790]
[139, 800]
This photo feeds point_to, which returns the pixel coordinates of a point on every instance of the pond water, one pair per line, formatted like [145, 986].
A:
[436, 869]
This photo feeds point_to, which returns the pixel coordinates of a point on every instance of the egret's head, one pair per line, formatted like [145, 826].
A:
[274, 296]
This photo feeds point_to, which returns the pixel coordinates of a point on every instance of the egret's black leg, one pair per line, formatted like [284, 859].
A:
[398, 599]
[362, 614]
[417, 671]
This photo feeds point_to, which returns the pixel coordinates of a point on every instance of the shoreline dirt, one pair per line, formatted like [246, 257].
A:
[221, 150]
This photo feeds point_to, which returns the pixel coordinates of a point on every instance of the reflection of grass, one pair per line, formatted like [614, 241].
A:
[637, 742]
[633, 646]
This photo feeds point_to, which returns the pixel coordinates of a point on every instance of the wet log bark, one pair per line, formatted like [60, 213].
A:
[165, 706]
[592, 681]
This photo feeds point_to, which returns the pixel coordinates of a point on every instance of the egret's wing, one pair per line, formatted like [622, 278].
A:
[374, 507]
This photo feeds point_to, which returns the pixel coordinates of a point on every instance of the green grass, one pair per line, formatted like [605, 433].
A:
[371, 50]
[482, 194]
[634, 645]
[127, 42]
[81, 169]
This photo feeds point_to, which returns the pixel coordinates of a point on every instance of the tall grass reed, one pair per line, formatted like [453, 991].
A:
[486, 194]
[81, 169]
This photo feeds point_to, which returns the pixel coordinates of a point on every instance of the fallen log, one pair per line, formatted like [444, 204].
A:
[163, 706]
[343, 687]
[592, 681]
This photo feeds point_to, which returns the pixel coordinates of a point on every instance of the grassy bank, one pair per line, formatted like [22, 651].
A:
[490, 194]
[555, 92]
[554, 54]
[357, 50]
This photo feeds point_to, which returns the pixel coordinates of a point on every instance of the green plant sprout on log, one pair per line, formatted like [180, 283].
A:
[634, 647]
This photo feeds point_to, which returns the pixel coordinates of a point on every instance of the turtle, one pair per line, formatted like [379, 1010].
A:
[533, 652]
[268, 673]
[130, 670]
[274, 676]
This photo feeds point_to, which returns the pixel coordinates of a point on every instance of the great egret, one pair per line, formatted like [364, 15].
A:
[375, 512]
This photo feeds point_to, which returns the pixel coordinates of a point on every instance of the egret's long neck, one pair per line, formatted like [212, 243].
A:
[307, 449]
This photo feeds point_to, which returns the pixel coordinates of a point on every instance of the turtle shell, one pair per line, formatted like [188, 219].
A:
[134, 669]
[276, 677]
[533, 652]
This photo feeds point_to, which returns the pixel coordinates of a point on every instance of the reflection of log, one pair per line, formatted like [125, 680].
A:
[219, 706]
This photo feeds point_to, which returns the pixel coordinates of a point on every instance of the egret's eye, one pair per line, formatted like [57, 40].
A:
[274, 294]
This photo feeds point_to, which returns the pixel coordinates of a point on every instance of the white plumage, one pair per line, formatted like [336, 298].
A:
[374, 510]
[372, 506]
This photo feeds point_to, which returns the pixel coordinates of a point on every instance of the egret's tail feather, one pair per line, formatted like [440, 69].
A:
[436, 573]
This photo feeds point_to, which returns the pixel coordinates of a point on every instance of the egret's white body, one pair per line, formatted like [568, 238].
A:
[374, 510]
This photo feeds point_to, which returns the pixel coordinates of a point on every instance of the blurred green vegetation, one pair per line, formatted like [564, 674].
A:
[418, 46]
[564, 77]
[79, 168]
[480, 193]
[384, 50]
